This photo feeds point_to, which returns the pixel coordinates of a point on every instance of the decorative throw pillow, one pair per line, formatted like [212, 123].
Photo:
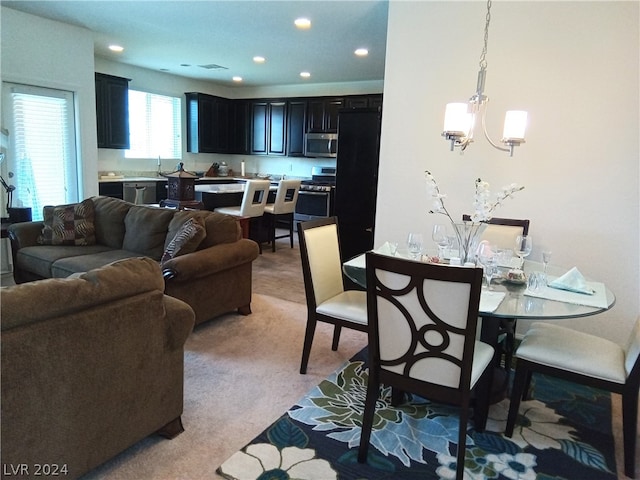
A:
[185, 241]
[71, 224]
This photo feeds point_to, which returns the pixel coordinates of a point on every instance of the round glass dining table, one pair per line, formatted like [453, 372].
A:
[515, 305]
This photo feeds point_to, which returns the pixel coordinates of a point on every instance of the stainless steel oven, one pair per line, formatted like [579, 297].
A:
[315, 198]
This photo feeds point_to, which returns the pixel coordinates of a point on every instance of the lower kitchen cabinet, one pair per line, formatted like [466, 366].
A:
[111, 189]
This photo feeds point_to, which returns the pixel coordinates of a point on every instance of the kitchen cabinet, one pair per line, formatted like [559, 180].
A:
[111, 189]
[239, 127]
[296, 127]
[354, 102]
[112, 111]
[207, 123]
[268, 121]
[322, 114]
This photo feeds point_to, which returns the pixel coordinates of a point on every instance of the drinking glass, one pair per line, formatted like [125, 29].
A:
[439, 235]
[546, 258]
[414, 244]
[488, 258]
[523, 246]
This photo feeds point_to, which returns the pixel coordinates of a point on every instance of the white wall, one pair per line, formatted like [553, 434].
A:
[574, 67]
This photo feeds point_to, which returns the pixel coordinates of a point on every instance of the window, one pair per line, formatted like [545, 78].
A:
[41, 159]
[154, 126]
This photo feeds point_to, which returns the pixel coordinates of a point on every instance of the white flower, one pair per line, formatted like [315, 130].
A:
[483, 206]
[505, 464]
[537, 425]
[263, 457]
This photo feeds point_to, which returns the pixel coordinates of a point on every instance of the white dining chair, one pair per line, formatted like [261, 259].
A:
[586, 359]
[254, 199]
[422, 339]
[327, 299]
[281, 210]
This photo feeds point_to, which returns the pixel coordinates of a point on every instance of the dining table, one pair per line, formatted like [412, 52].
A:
[508, 300]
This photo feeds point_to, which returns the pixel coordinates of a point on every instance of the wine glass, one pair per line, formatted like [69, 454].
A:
[439, 235]
[487, 256]
[414, 243]
[546, 258]
[523, 246]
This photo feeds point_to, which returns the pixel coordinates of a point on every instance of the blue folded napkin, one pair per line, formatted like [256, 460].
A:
[572, 281]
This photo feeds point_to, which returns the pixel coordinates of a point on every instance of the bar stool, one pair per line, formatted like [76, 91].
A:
[281, 211]
[251, 210]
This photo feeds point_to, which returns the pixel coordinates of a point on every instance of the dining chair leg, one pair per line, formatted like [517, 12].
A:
[519, 383]
[483, 393]
[462, 441]
[308, 340]
[336, 337]
[629, 429]
[373, 391]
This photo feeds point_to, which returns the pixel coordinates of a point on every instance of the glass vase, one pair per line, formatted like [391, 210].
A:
[468, 235]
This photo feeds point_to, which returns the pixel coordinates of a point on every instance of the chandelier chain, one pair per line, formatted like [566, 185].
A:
[483, 55]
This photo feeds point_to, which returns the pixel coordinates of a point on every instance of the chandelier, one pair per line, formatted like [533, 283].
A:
[460, 118]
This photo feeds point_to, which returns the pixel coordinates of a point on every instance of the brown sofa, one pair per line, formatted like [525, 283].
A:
[213, 279]
[91, 364]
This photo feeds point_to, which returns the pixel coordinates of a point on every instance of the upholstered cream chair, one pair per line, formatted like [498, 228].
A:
[254, 200]
[327, 300]
[422, 339]
[585, 359]
[281, 211]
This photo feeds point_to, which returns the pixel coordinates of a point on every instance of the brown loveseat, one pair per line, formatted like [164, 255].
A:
[91, 364]
[213, 279]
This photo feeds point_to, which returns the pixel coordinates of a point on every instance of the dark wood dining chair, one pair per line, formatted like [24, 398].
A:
[585, 359]
[503, 233]
[422, 339]
[327, 299]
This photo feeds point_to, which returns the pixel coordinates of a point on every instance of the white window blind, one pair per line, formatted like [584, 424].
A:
[154, 126]
[42, 155]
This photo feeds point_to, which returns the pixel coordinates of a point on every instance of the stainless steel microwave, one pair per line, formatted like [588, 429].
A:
[321, 145]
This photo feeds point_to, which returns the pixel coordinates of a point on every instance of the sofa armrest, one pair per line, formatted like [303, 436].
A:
[207, 261]
[180, 319]
[24, 234]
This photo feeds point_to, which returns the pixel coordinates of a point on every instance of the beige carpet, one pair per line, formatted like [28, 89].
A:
[241, 374]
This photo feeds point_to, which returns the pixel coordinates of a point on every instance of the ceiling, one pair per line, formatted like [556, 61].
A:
[178, 37]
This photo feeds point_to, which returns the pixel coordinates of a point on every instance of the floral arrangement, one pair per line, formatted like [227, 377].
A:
[483, 204]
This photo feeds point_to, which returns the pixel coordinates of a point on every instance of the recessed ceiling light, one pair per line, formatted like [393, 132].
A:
[259, 59]
[116, 48]
[302, 22]
[305, 74]
[361, 52]
[237, 79]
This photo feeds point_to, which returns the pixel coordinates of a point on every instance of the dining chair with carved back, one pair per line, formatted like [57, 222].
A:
[585, 359]
[327, 299]
[422, 340]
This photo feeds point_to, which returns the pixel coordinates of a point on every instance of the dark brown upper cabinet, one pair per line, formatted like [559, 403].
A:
[268, 122]
[322, 114]
[208, 124]
[112, 111]
[296, 127]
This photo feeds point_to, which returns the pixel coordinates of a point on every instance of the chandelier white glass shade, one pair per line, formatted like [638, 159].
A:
[460, 118]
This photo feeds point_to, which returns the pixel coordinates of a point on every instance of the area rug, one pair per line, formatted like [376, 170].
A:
[564, 432]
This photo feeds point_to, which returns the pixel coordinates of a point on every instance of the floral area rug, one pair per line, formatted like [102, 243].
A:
[564, 432]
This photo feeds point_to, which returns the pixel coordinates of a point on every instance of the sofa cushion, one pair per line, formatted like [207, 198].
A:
[110, 213]
[67, 266]
[58, 297]
[186, 240]
[39, 259]
[70, 224]
[146, 230]
[220, 229]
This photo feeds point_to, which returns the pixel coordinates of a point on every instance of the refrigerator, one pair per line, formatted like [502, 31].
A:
[357, 179]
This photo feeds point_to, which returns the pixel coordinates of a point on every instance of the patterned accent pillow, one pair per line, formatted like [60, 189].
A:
[185, 241]
[71, 224]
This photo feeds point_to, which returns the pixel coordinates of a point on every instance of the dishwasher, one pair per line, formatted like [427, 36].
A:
[139, 193]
